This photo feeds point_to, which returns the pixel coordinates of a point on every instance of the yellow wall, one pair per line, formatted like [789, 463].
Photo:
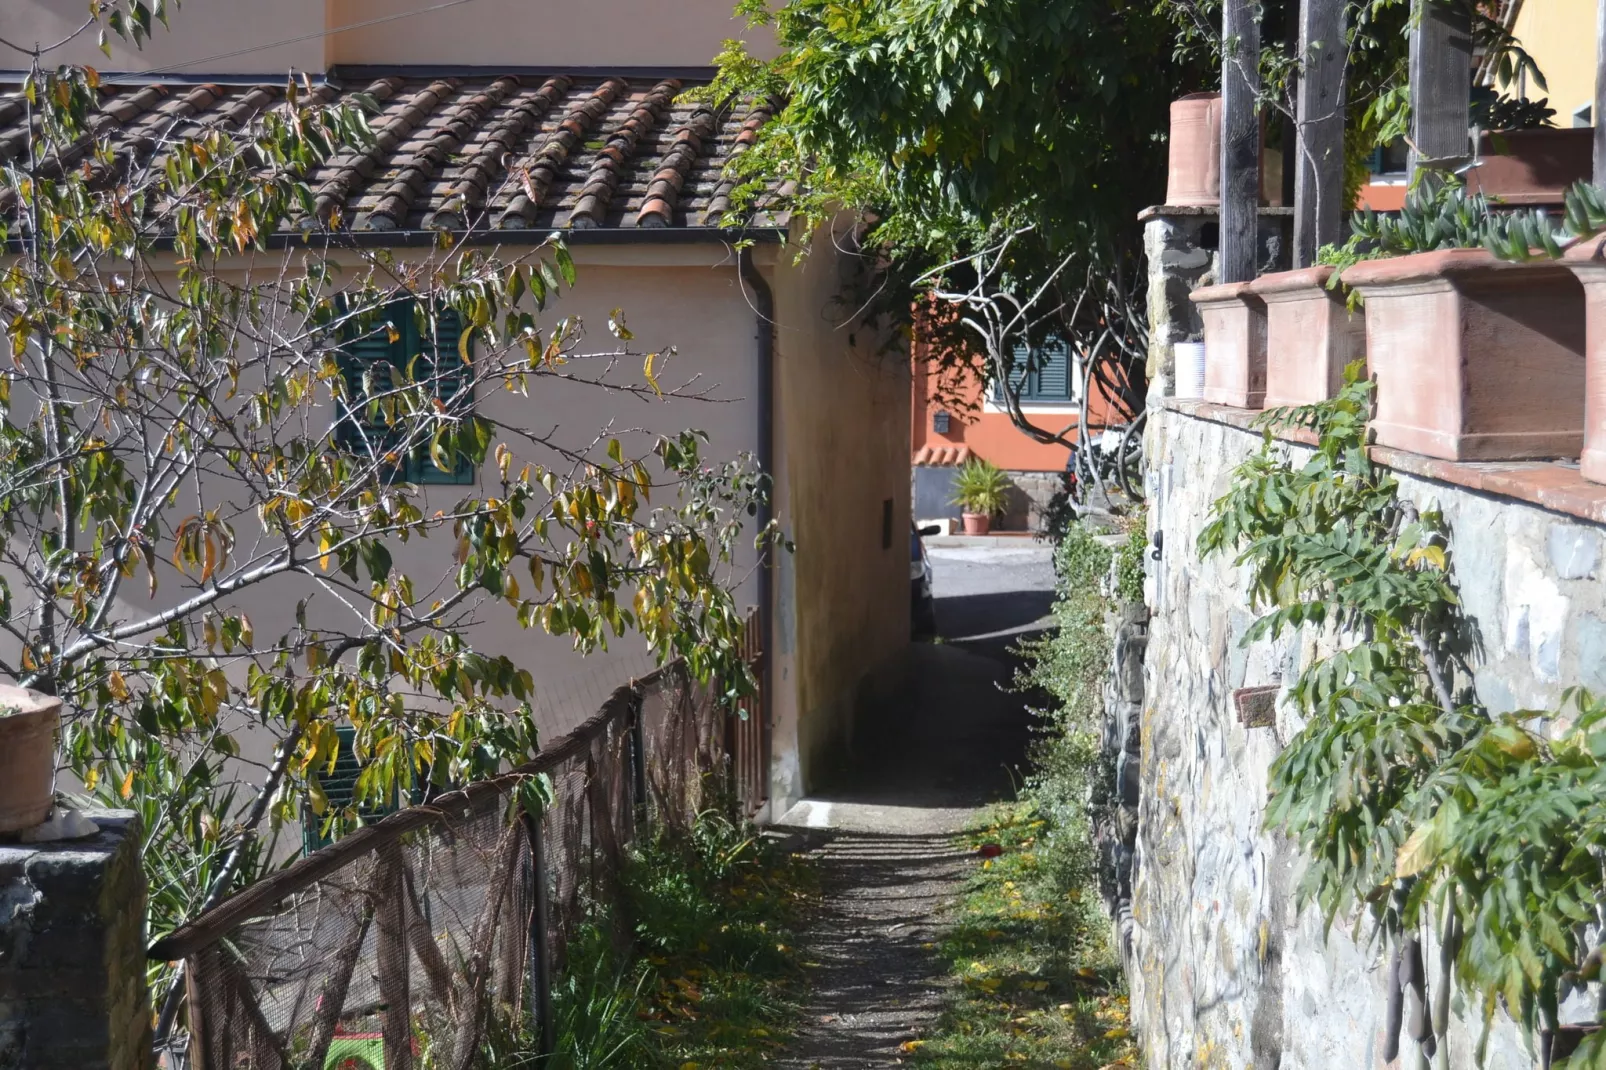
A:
[842, 443]
[1560, 35]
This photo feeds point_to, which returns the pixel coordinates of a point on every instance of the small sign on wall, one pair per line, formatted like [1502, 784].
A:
[1257, 706]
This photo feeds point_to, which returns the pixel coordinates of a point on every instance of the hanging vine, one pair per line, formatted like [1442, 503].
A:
[1417, 809]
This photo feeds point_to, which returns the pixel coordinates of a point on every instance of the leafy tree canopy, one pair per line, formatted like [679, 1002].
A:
[951, 119]
[220, 425]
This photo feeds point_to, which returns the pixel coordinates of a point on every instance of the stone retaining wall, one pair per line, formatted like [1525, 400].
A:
[1224, 971]
[72, 952]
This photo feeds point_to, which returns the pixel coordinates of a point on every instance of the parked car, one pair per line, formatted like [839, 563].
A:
[922, 603]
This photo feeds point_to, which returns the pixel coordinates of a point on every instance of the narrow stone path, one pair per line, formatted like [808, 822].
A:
[876, 979]
[885, 832]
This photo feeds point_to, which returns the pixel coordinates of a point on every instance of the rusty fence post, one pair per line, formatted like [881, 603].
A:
[540, 948]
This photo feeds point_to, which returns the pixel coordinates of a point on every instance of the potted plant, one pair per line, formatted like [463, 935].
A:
[1235, 344]
[28, 722]
[1477, 358]
[980, 491]
[1312, 334]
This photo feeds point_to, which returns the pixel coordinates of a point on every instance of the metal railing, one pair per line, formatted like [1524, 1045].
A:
[395, 946]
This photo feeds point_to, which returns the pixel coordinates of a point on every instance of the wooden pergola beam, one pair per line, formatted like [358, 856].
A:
[1599, 116]
[1441, 82]
[1319, 129]
[1240, 141]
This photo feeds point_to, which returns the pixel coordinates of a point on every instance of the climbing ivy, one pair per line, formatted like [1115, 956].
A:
[1417, 808]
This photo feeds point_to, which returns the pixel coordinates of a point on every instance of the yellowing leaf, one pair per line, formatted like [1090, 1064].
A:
[1415, 854]
[127, 787]
[647, 373]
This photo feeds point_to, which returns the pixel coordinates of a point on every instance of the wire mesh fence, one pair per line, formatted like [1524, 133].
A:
[394, 948]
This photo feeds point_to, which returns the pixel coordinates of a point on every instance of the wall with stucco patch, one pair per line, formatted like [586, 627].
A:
[842, 484]
[1225, 971]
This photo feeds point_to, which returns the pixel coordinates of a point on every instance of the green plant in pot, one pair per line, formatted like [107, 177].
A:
[980, 489]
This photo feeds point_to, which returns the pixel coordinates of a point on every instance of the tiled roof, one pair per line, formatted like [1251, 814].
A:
[943, 456]
[511, 152]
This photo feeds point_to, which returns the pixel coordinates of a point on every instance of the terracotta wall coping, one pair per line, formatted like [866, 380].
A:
[1589, 251]
[1225, 293]
[1287, 284]
[1441, 264]
[1560, 488]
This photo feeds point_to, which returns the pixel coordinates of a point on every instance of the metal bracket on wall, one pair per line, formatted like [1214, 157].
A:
[1257, 706]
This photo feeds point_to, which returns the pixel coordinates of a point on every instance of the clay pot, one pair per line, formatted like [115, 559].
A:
[977, 523]
[1532, 167]
[1193, 176]
[1310, 336]
[28, 722]
[1588, 262]
[1476, 359]
[1235, 344]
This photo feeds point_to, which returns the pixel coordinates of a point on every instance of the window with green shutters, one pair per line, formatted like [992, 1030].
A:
[1044, 374]
[339, 787]
[439, 360]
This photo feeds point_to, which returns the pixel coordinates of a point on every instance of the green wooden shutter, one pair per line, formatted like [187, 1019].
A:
[340, 787]
[1053, 372]
[374, 355]
[1042, 374]
[442, 357]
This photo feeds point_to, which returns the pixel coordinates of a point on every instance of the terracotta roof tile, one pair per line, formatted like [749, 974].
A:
[943, 456]
[510, 151]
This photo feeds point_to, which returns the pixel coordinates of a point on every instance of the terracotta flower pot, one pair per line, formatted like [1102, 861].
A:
[1310, 336]
[1476, 359]
[1588, 262]
[1193, 176]
[1235, 344]
[977, 523]
[28, 722]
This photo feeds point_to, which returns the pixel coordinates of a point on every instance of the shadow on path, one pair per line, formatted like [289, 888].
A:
[883, 832]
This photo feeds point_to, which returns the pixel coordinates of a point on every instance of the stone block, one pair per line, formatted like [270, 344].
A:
[72, 952]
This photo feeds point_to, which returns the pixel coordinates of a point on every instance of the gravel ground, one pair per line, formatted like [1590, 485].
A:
[884, 833]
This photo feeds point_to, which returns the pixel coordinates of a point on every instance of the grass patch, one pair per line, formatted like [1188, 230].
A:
[702, 975]
[716, 917]
[1036, 983]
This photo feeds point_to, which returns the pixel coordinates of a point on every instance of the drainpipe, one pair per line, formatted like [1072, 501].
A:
[764, 312]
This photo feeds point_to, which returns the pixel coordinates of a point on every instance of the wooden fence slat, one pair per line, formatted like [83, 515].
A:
[332, 997]
[1441, 82]
[1319, 139]
[1240, 141]
[428, 951]
[394, 958]
[470, 1020]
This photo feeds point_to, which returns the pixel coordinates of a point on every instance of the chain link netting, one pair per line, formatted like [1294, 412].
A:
[393, 948]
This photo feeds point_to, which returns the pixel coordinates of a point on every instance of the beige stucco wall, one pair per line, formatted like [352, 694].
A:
[202, 30]
[842, 449]
[1560, 35]
[561, 34]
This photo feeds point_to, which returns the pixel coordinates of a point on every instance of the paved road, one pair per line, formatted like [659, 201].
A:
[883, 833]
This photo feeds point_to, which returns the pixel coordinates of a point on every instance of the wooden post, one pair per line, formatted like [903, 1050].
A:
[1319, 144]
[1240, 141]
[393, 957]
[540, 951]
[1441, 82]
[1599, 116]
